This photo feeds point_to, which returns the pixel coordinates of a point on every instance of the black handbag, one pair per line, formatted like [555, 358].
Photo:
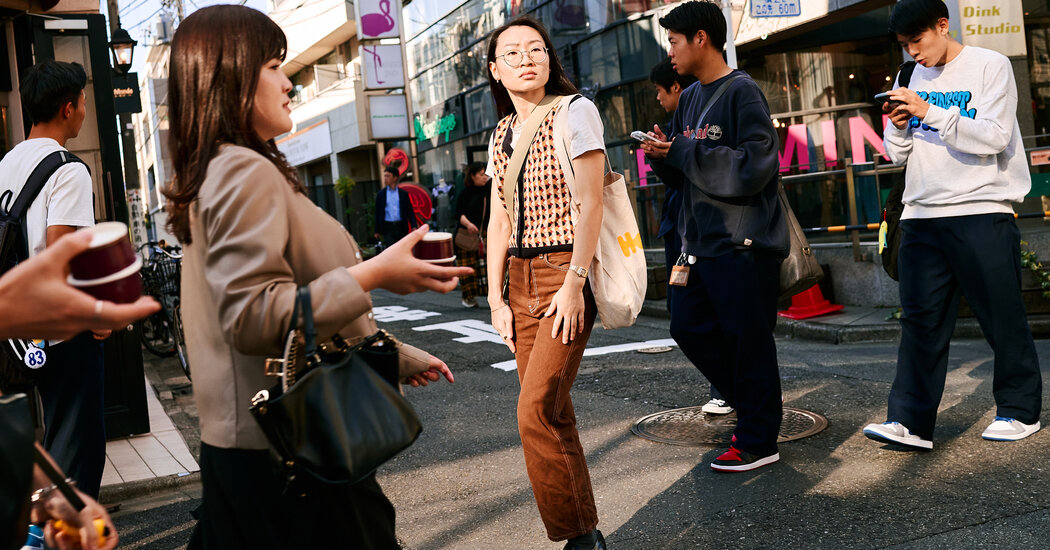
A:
[16, 468]
[338, 413]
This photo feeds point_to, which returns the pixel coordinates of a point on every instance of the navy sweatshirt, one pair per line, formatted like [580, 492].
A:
[727, 171]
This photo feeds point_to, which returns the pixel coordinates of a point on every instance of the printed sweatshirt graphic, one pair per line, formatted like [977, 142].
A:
[965, 157]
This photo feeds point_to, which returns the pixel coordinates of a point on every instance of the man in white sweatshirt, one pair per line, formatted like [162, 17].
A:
[955, 126]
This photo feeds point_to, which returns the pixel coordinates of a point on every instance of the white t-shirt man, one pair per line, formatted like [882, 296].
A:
[66, 198]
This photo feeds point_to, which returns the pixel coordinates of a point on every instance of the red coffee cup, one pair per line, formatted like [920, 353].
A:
[436, 247]
[109, 269]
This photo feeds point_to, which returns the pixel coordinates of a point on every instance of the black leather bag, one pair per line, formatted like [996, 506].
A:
[894, 207]
[338, 413]
[16, 469]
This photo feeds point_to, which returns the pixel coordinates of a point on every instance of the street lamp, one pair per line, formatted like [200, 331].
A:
[123, 48]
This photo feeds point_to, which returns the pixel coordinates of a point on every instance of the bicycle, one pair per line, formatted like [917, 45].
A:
[162, 333]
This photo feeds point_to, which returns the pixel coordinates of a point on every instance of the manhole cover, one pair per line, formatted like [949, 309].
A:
[691, 427]
[657, 349]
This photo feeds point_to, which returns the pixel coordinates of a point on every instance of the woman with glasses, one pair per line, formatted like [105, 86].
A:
[550, 236]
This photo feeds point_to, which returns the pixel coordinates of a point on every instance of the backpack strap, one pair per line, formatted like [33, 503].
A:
[38, 179]
[904, 74]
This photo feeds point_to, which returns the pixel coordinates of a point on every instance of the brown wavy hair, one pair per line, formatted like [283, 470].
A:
[557, 84]
[216, 56]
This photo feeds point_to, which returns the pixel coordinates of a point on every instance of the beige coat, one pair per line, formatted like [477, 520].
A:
[255, 241]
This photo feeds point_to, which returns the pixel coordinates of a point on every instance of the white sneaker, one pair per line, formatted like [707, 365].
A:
[1009, 429]
[717, 406]
[469, 303]
[895, 432]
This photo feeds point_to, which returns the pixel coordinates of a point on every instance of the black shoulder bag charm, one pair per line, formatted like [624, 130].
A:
[339, 416]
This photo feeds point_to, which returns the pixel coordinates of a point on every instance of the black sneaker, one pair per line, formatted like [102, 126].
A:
[599, 545]
[735, 460]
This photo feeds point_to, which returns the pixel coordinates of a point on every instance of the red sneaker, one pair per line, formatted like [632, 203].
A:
[735, 460]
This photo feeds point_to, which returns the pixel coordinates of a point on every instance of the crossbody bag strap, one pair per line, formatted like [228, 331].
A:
[714, 97]
[517, 160]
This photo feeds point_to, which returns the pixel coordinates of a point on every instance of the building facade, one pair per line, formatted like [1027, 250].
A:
[331, 143]
[818, 69]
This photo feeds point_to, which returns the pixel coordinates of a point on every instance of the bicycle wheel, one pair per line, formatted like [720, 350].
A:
[157, 336]
[180, 342]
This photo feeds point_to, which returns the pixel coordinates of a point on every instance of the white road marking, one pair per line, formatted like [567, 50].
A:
[512, 365]
[472, 330]
[389, 314]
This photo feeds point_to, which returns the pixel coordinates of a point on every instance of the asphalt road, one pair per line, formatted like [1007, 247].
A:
[463, 484]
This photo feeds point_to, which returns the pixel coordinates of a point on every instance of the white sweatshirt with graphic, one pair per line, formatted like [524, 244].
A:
[966, 156]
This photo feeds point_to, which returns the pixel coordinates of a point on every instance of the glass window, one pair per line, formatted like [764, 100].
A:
[481, 109]
[640, 49]
[597, 61]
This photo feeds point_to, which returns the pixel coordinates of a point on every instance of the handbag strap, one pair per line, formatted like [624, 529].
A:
[309, 332]
[517, 160]
[714, 97]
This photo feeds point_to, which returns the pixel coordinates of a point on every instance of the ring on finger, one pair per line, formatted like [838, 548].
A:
[98, 310]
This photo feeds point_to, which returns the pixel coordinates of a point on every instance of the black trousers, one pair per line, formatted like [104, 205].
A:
[672, 250]
[243, 506]
[71, 386]
[941, 258]
[723, 320]
[392, 231]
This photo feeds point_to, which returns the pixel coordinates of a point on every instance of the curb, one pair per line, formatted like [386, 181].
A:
[119, 492]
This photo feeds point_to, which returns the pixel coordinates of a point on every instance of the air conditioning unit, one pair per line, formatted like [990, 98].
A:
[164, 29]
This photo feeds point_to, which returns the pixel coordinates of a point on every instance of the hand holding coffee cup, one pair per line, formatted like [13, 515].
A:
[109, 268]
[436, 248]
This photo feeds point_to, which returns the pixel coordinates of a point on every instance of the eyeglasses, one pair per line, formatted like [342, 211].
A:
[514, 58]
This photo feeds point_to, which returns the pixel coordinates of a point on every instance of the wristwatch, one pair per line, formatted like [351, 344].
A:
[581, 271]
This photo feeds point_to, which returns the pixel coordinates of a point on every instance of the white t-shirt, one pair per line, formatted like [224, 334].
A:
[586, 132]
[66, 198]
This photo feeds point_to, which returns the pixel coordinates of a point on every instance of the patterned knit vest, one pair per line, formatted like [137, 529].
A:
[546, 214]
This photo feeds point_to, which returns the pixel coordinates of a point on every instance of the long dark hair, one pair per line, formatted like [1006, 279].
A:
[216, 56]
[557, 84]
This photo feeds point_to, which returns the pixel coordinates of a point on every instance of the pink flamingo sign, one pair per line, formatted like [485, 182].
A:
[378, 18]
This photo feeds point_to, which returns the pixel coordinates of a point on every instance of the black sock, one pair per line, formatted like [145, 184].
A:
[585, 541]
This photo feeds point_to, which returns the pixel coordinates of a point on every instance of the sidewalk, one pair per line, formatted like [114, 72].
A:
[855, 324]
[161, 459]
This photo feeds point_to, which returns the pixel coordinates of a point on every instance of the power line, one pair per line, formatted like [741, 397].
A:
[128, 9]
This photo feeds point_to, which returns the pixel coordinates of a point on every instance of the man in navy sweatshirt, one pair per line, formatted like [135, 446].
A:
[733, 230]
[955, 125]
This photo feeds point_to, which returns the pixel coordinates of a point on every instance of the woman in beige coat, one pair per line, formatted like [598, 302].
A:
[251, 237]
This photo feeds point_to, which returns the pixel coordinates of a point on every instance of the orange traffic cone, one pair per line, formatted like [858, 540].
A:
[809, 303]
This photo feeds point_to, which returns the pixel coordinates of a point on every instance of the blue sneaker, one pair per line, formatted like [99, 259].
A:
[35, 540]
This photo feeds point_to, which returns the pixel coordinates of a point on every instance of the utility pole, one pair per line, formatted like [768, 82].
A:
[127, 131]
[727, 11]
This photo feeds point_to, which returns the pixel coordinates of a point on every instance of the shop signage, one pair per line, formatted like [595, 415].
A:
[310, 143]
[126, 97]
[997, 25]
[756, 23]
[776, 8]
[388, 116]
[1039, 157]
[440, 124]
[382, 66]
[434, 128]
[378, 18]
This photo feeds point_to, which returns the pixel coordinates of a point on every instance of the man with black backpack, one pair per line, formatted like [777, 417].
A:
[955, 125]
[70, 381]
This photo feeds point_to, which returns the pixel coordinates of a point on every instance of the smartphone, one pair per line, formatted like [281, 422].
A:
[642, 136]
[884, 97]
